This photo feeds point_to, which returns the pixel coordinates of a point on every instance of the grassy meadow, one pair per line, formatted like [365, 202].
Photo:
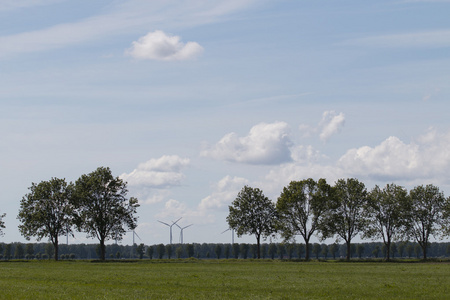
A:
[222, 279]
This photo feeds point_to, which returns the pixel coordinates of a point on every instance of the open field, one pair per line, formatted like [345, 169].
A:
[223, 279]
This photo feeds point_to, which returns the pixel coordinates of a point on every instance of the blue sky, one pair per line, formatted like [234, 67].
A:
[188, 101]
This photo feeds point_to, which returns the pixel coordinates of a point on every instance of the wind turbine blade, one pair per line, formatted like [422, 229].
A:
[176, 221]
[226, 230]
[163, 223]
[187, 226]
[137, 235]
[178, 226]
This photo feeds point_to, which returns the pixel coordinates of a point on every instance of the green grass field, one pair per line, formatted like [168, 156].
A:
[212, 279]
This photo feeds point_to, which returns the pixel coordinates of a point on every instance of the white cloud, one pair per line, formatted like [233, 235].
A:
[266, 143]
[150, 181]
[158, 173]
[225, 191]
[331, 124]
[158, 45]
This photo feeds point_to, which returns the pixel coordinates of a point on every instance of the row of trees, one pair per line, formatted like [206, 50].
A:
[95, 204]
[372, 250]
[343, 211]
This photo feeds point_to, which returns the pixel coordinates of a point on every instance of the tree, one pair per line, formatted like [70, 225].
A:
[160, 249]
[426, 214]
[376, 251]
[7, 253]
[218, 250]
[103, 208]
[385, 214]
[300, 207]
[272, 250]
[150, 250]
[252, 213]
[300, 250]
[169, 250]
[47, 211]
[360, 250]
[227, 251]
[179, 251]
[334, 248]
[140, 250]
[19, 251]
[344, 214]
[236, 250]
[29, 250]
[50, 250]
[2, 224]
[281, 250]
[190, 250]
[316, 250]
[244, 250]
[325, 250]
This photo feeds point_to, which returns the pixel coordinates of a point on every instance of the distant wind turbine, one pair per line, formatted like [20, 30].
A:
[181, 232]
[232, 234]
[173, 223]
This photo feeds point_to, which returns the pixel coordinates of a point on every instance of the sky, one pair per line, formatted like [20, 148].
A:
[188, 101]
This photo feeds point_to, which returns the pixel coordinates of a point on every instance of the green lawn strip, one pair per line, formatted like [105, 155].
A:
[223, 280]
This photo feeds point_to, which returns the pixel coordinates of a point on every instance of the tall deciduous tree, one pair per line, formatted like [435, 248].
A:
[252, 213]
[427, 205]
[103, 207]
[47, 211]
[344, 215]
[300, 207]
[2, 223]
[385, 213]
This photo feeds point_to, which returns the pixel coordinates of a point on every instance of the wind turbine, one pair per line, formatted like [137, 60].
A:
[232, 234]
[135, 234]
[181, 233]
[173, 223]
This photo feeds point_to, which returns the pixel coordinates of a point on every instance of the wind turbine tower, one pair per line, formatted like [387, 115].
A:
[232, 234]
[181, 232]
[170, 226]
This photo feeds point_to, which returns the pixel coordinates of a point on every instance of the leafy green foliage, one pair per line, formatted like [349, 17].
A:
[47, 211]
[385, 212]
[252, 213]
[300, 206]
[344, 214]
[427, 212]
[103, 208]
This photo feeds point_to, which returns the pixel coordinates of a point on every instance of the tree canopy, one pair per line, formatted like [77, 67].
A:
[103, 208]
[47, 211]
[300, 206]
[252, 213]
[344, 214]
[426, 214]
[385, 214]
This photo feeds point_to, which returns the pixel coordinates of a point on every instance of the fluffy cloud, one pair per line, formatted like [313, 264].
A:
[150, 180]
[225, 192]
[427, 157]
[265, 144]
[159, 46]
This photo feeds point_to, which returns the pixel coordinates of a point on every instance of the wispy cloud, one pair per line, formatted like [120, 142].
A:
[429, 39]
[8, 5]
[124, 17]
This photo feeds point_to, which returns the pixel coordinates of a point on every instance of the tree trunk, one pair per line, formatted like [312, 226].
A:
[306, 250]
[349, 250]
[55, 245]
[258, 245]
[388, 251]
[102, 249]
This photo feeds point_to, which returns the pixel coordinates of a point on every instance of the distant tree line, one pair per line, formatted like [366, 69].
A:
[373, 250]
[308, 207]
